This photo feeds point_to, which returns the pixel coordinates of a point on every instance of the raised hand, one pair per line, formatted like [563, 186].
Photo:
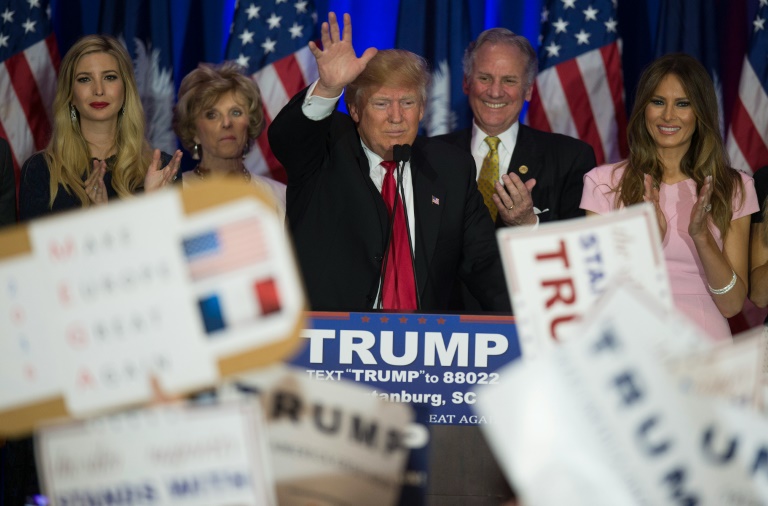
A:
[156, 177]
[337, 63]
[95, 187]
[701, 208]
[513, 200]
[652, 195]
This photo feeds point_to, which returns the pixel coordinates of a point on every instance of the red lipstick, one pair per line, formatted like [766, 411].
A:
[99, 105]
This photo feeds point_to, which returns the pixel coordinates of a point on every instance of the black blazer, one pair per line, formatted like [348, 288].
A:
[7, 185]
[339, 222]
[557, 162]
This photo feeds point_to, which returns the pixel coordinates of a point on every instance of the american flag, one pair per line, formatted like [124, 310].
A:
[580, 90]
[224, 249]
[269, 39]
[748, 133]
[30, 63]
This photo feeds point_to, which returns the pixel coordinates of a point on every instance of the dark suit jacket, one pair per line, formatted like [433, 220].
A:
[7, 185]
[339, 222]
[557, 162]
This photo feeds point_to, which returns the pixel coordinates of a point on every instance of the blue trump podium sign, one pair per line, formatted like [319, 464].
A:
[429, 360]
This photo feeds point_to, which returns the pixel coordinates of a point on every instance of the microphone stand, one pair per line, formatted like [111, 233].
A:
[405, 153]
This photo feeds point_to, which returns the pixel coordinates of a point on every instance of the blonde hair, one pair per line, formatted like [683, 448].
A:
[706, 154]
[390, 67]
[203, 87]
[67, 154]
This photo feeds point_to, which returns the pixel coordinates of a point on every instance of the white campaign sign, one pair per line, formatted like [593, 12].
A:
[165, 456]
[117, 304]
[557, 271]
[331, 442]
[606, 423]
[107, 298]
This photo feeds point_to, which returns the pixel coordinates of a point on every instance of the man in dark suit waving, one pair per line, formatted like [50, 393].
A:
[338, 170]
[541, 173]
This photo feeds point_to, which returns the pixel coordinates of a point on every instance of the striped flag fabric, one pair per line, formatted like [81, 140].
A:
[30, 63]
[580, 90]
[269, 38]
[748, 132]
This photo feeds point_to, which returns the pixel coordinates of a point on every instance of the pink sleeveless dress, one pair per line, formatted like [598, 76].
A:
[686, 274]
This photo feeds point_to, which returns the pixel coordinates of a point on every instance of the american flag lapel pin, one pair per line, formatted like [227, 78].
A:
[435, 200]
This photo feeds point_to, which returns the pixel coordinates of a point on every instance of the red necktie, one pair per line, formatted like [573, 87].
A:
[398, 290]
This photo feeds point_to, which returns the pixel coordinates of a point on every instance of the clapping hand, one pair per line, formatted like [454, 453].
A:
[95, 187]
[652, 195]
[337, 63]
[513, 200]
[701, 209]
[156, 177]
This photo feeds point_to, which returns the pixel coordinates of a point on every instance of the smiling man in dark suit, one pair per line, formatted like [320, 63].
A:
[337, 168]
[541, 173]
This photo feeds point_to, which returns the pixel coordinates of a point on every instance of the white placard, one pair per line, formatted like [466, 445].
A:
[245, 282]
[731, 370]
[170, 455]
[119, 304]
[111, 296]
[28, 371]
[556, 272]
[331, 442]
[606, 424]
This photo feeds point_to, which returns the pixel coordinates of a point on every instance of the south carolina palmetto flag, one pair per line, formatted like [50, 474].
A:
[144, 26]
[580, 89]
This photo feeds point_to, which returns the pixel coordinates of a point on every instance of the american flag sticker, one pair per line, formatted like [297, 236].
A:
[435, 200]
[266, 293]
[225, 249]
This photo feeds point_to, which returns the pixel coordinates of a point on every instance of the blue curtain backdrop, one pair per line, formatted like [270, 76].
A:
[200, 27]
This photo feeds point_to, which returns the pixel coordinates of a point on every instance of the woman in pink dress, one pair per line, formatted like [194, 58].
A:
[678, 163]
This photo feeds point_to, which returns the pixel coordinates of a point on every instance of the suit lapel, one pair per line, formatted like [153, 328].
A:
[428, 202]
[526, 153]
[365, 173]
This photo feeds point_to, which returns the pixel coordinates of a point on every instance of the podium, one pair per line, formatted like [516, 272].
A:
[433, 361]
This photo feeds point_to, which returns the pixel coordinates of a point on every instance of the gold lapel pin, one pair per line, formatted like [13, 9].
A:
[523, 169]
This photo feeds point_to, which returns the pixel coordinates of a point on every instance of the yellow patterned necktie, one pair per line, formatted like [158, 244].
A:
[489, 174]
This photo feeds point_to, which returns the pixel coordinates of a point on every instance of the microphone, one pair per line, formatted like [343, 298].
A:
[396, 152]
[401, 155]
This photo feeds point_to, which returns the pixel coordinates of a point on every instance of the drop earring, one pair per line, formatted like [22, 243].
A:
[196, 152]
[73, 113]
